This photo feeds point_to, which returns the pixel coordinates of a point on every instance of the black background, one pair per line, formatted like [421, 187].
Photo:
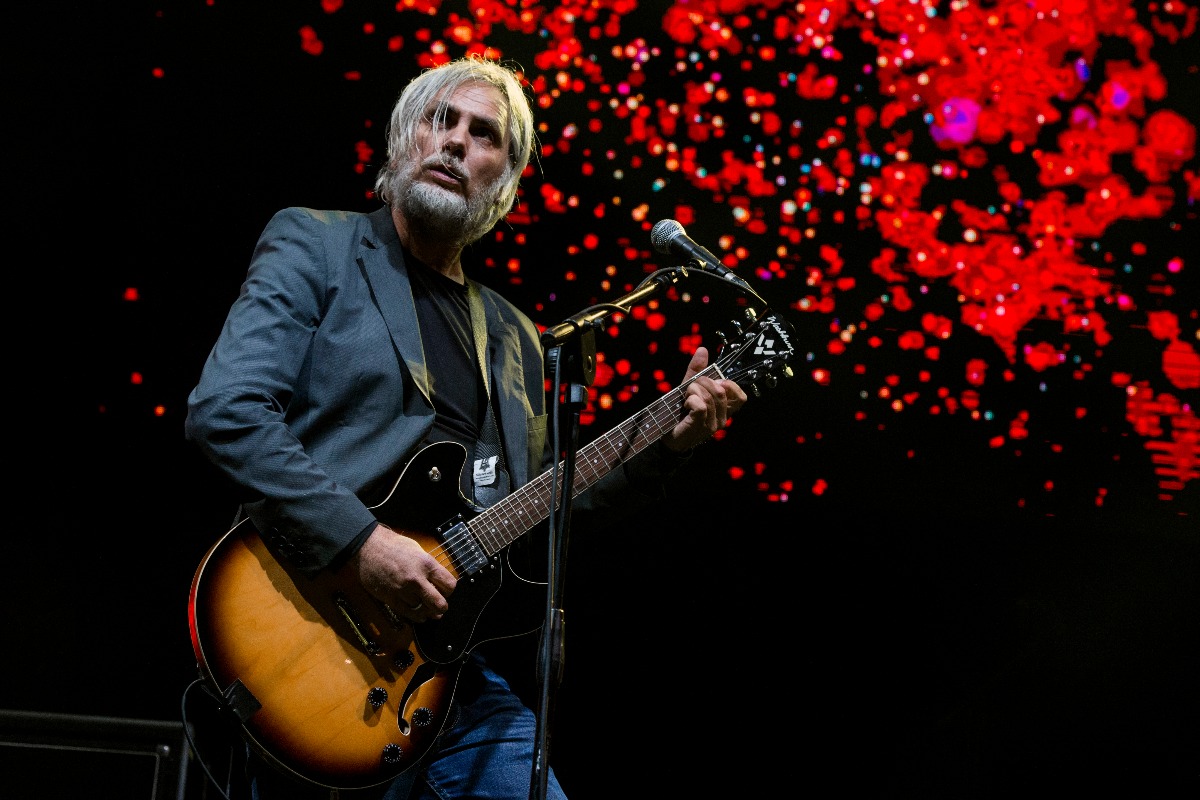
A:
[913, 632]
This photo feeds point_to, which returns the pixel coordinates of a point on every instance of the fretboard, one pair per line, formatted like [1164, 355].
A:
[507, 520]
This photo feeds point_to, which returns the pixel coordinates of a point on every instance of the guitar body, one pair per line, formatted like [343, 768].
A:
[327, 683]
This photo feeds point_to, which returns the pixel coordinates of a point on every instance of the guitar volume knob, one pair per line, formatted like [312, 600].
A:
[377, 696]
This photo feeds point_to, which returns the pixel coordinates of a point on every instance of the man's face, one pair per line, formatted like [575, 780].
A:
[455, 175]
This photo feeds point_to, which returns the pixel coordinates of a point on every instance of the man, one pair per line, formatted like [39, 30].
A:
[357, 340]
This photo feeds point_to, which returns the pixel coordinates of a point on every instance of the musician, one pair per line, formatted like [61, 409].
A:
[356, 340]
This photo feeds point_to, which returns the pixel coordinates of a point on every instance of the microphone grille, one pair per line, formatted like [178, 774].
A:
[663, 233]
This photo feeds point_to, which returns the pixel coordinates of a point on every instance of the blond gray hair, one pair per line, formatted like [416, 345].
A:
[441, 81]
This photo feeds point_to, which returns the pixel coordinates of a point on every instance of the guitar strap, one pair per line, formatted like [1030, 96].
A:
[490, 477]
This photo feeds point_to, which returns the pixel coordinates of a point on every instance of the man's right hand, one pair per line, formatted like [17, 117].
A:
[395, 569]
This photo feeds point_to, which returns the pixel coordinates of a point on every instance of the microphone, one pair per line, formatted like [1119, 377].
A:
[669, 238]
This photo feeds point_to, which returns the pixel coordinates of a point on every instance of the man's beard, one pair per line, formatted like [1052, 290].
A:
[441, 212]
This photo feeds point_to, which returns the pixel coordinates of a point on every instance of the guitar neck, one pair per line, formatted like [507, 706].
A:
[510, 518]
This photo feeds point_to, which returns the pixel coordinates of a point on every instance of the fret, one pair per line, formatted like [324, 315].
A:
[516, 514]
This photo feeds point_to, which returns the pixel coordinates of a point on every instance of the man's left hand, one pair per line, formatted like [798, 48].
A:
[707, 405]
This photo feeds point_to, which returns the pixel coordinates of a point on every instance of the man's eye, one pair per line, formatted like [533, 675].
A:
[438, 119]
[488, 133]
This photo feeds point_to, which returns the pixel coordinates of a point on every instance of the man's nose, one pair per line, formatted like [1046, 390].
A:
[455, 140]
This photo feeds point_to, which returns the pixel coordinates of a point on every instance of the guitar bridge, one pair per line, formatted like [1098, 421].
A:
[368, 643]
[466, 553]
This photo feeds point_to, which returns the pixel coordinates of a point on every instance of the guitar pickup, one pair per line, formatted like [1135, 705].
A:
[464, 550]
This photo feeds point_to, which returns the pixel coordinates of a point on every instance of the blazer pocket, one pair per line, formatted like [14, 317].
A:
[538, 457]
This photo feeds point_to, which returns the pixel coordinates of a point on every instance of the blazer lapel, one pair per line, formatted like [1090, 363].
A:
[381, 261]
[508, 389]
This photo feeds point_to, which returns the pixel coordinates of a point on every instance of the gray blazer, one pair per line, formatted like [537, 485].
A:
[317, 389]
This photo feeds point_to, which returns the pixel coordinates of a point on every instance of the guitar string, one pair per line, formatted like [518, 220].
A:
[663, 412]
[506, 527]
[505, 530]
[507, 516]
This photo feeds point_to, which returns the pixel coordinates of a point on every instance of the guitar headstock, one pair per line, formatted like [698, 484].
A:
[757, 353]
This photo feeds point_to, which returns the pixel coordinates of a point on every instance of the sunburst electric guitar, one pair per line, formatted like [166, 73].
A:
[329, 684]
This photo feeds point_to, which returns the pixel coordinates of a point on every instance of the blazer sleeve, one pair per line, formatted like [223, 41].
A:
[238, 411]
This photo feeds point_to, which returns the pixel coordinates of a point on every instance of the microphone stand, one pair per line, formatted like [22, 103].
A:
[571, 349]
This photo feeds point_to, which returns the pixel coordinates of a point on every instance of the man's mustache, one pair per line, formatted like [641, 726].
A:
[454, 166]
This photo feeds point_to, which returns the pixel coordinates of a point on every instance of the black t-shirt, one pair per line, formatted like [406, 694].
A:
[444, 311]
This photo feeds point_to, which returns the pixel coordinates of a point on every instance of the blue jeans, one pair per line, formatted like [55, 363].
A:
[484, 754]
